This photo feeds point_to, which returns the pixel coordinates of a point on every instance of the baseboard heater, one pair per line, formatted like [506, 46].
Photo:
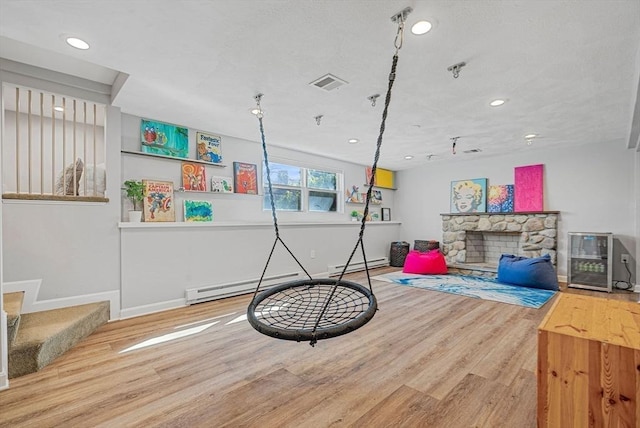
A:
[356, 266]
[220, 291]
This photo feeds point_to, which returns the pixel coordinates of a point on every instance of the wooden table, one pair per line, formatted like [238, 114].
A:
[589, 363]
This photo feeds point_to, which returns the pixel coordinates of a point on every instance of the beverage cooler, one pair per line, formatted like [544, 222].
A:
[590, 261]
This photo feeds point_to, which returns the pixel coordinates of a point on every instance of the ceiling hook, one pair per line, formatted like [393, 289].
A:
[318, 118]
[455, 69]
[373, 99]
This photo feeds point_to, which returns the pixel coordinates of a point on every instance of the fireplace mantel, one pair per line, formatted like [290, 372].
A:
[537, 232]
[514, 213]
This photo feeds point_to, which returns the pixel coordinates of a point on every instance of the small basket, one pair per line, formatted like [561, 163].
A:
[424, 246]
[399, 251]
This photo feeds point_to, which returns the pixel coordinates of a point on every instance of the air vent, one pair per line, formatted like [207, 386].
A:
[472, 151]
[328, 82]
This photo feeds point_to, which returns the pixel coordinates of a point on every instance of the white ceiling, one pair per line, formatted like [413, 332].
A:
[569, 69]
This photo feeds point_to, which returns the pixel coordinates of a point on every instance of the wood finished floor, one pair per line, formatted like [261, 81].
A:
[427, 359]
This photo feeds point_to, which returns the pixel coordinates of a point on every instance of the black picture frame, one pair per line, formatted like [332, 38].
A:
[386, 214]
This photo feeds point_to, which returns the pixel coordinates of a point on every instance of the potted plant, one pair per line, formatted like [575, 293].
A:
[135, 192]
[354, 215]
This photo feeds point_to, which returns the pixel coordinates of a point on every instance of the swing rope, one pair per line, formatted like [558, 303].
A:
[316, 309]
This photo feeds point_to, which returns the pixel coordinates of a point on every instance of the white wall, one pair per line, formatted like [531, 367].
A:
[592, 186]
[73, 247]
[159, 263]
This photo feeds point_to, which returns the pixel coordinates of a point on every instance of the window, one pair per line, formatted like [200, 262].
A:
[301, 189]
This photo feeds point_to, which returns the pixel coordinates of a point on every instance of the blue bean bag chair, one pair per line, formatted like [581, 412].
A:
[537, 272]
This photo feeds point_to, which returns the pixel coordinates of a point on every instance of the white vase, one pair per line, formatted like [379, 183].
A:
[135, 216]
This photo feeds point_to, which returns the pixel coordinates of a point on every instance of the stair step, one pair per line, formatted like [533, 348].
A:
[12, 305]
[44, 336]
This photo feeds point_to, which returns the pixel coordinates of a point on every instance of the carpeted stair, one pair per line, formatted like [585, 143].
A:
[38, 338]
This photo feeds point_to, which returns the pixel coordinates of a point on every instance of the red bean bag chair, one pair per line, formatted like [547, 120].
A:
[429, 263]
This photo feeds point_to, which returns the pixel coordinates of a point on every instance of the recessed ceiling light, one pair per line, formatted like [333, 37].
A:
[58, 108]
[408, 157]
[496, 103]
[353, 140]
[77, 43]
[421, 27]
[530, 136]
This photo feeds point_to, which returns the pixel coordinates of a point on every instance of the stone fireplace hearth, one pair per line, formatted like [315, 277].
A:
[478, 239]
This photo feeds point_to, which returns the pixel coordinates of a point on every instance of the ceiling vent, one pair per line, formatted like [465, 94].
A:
[328, 82]
[472, 151]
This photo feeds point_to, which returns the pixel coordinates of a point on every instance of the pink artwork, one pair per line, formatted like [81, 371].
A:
[528, 188]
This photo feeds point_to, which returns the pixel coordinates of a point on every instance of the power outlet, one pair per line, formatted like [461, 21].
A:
[313, 254]
[624, 258]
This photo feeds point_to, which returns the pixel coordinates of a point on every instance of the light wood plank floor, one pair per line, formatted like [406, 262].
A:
[427, 359]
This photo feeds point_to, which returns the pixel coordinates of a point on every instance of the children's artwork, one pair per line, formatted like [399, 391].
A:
[198, 211]
[528, 188]
[221, 185]
[500, 199]
[208, 147]
[469, 196]
[164, 139]
[157, 204]
[194, 177]
[376, 197]
[384, 177]
[245, 179]
[354, 196]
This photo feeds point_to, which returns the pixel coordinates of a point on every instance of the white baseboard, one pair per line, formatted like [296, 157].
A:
[562, 278]
[31, 303]
[152, 308]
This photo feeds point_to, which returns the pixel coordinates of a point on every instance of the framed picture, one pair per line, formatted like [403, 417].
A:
[469, 196]
[528, 182]
[198, 211]
[164, 139]
[208, 147]
[500, 198]
[386, 214]
[221, 185]
[245, 178]
[158, 201]
[194, 177]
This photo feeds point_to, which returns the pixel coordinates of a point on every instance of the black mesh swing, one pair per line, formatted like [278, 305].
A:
[315, 309]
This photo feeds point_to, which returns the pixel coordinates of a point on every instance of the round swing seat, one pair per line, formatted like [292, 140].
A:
[298, 310]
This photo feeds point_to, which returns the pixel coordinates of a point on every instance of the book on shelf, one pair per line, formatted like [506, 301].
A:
[194, 177]
[157, 204]
[245, 178]
[208, 147]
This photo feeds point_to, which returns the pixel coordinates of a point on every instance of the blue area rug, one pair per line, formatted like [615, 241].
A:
[473, 286]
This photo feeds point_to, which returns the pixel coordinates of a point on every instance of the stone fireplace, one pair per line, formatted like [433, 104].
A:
[478, 240]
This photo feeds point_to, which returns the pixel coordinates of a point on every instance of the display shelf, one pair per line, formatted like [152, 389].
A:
[590, 261]
[152, 155]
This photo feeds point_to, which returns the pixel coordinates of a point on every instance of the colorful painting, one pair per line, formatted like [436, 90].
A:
[164, 139]
[208, 147]
[528, 188]
[194, 177]
[198, 211]
[384, 177]
[245, 179]
[354, 196]
[221, 185]
[469, 196]
[157, 204]
[500, 198]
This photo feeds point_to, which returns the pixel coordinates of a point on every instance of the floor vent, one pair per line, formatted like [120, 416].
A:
[358, 266]
[328, 82]
[219, 291]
